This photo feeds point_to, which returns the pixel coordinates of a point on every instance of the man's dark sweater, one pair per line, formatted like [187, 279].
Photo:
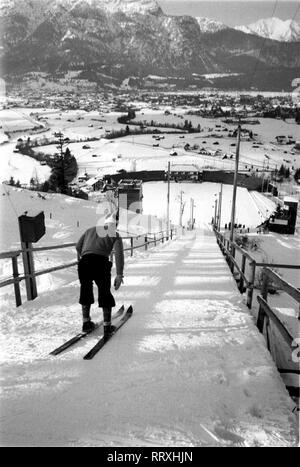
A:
[91, 243]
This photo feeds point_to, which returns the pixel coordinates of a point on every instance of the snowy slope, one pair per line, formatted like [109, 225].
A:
[21, 168]
[65, 217]
[204, 195]
[274, 28]
[189, 369]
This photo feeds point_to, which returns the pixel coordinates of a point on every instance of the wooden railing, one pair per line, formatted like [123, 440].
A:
[30, 274]
[266, 316]
[246, 283]
[265, 312]
[229, 249]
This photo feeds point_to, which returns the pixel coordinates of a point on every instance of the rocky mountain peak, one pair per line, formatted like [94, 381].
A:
[210, 25]
[128, 7]
[274, 28]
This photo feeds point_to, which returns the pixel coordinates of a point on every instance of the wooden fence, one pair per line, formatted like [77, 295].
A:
[267, 315]
[265, 312]
[245, 283]
[30, 275]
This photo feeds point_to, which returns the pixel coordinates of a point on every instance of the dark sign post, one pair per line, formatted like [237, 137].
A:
[31, 230]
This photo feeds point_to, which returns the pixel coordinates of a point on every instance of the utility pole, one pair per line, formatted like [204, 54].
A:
[235, 182]
[216, 210]
[220, 207]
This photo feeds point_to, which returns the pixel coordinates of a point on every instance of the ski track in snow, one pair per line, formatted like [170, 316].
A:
[188, 369]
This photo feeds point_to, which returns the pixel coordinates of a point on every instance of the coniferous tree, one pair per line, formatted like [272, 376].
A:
[297, 175]
[63, 172]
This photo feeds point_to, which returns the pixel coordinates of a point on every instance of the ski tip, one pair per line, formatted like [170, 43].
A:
[129, 310]
[87, 357]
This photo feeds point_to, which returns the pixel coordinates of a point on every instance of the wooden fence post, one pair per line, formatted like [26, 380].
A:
[265, 286]
[154, 239]
[146, 243]
[232, 251]
[251, 282]
[243, 267]
[17, 283]
[264, 294]
[28, 263]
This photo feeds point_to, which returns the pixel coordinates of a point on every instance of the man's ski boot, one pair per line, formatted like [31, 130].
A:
[107, 326]
[108, 330]
[88, 326]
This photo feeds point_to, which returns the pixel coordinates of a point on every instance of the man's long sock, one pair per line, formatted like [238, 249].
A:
[86, 313]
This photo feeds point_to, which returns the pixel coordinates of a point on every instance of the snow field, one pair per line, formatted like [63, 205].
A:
[15, 120]
[80, 124]
[140, 148]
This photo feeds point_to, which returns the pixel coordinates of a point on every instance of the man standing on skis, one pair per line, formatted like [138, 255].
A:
[94, 249]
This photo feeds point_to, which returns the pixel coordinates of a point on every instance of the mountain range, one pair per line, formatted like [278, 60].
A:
[105, 40]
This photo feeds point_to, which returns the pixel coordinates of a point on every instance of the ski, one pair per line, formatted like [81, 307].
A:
[82, 335]
[104, 340]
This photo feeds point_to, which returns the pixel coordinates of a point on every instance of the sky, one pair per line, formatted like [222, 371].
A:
[236, 12]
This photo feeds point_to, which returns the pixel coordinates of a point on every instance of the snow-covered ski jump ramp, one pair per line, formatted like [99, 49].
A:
[189, 368]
